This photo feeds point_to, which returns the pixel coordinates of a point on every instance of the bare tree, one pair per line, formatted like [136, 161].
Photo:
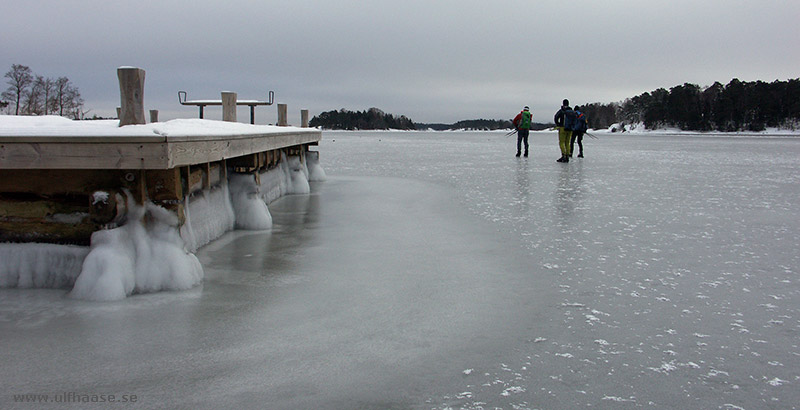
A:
[48, 87]
[75, 103]
[33, 104]
[67, 99]
[19, 78]
[38, 95]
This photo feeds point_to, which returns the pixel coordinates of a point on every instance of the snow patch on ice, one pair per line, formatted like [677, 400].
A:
[777, 382]
[512, 390]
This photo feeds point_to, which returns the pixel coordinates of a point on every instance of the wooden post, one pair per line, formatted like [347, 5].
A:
[229, 106]
[131, 92]
[153, 115]
[282, 115]
[304, 118]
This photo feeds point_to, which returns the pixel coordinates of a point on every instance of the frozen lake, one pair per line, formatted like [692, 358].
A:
[438, 271]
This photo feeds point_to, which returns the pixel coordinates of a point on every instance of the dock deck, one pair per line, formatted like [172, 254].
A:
[57, 143]
[51, 168]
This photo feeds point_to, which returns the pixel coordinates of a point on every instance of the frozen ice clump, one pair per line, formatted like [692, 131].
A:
[146, 254]
[296, 175]
[249, 205]
[315, 171]
[99, 197]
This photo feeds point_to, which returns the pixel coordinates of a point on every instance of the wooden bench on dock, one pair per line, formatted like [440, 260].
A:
[203, 103]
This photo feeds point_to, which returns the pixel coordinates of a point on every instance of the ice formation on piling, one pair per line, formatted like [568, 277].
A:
[152, 251]
[40, 265]
[147, 254]
[248, 202]
[209, 214]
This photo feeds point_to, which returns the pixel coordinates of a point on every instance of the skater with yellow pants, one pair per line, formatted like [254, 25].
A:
[565, 120]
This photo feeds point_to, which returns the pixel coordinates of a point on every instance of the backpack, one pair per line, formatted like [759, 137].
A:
[582, 122]
[570, 119]
[525, 121]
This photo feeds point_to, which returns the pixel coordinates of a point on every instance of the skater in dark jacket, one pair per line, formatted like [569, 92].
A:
[565, 122]
[577, 135]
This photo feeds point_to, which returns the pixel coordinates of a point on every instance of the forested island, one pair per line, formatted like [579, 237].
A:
[737, 106]
[478, 125]
[371, 119]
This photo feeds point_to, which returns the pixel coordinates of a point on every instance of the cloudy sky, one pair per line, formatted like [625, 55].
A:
[431, 60]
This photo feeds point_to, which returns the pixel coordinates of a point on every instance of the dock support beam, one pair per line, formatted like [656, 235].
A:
[131, 93]
[304, 118]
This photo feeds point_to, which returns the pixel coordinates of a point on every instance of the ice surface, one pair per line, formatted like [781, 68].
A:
[659, 271]
[668, 252]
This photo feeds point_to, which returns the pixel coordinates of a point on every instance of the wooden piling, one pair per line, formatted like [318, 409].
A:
[282, 115]
[131, 91]
[228, 106]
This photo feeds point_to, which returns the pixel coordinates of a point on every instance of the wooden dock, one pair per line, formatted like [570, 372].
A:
[49, 183]
[61, 180]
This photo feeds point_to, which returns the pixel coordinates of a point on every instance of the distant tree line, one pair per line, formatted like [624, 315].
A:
[31, 94]
[478, 125]
[372, 119]
[737, 106]
[600, 115]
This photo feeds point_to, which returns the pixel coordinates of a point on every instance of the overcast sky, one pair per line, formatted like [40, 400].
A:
[431, 60]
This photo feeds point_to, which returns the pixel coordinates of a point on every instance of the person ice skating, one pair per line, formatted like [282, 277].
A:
[577, 135]
[522, 122]
[565, 122]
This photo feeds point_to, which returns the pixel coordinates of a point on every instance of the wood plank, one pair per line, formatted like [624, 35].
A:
[48, 182]
[83, 156]
[147, 153]
[32, 230]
